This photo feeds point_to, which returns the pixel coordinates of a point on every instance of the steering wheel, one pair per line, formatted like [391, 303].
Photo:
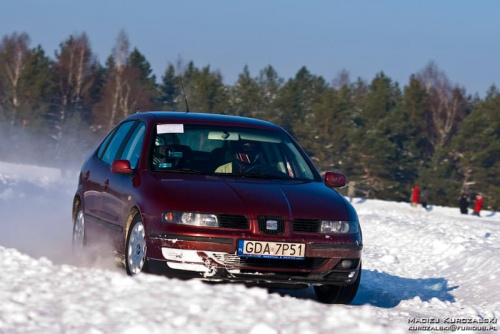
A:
[254, 168]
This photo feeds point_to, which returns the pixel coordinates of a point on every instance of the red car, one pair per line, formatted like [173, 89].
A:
[221, 198]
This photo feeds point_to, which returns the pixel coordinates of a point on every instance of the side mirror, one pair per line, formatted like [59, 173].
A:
[121, 167]
[335, 180]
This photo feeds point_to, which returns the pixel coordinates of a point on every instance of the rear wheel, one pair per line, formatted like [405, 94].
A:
[135, 250]
[78, 232]
[333, 294]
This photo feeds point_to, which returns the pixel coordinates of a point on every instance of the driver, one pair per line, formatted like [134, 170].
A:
[245, 154]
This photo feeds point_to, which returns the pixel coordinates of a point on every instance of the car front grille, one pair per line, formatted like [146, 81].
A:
[263, 225]
[233, 221]
[231, 260]
[306, 225]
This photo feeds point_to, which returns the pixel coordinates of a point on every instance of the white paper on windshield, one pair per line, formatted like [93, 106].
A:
[169, 128]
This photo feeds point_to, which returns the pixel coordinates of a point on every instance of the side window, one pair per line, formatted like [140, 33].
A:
[116, 142]
[104, 144]
[132, 151]
[298, 161]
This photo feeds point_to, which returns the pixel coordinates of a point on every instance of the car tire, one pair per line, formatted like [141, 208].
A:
[79, 237]
[334, 294]
[135, 248]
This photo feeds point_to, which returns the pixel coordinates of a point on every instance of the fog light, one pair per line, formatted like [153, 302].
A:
[346, 264]
[351, 274]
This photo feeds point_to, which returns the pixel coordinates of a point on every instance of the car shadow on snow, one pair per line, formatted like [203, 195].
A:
[383, 290]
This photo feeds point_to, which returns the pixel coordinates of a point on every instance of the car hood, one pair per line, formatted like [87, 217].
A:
[253, 198]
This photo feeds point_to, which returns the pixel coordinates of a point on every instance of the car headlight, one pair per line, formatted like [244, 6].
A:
[339, 226]
[190, 218]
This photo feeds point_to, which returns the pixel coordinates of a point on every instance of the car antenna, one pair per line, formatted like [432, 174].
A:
[184, 94]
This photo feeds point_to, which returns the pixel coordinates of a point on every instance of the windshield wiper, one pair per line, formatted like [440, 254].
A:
[263, 176]
[255, 175]
[184, 170]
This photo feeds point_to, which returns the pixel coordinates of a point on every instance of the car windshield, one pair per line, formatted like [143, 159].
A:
[228, 151]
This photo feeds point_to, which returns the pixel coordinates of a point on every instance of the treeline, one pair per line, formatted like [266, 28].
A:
[385, 137]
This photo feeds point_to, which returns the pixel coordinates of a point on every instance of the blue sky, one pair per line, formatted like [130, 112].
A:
[363, 37]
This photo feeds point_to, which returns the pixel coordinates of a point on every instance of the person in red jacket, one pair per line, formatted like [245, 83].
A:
[415, 196]
[478, 205]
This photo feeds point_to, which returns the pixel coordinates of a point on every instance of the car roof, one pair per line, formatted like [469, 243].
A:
[176, 117]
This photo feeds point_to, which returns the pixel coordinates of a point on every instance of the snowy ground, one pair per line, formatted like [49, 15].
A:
[418, 266]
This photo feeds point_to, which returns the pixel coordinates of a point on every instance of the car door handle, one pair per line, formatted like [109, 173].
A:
[106, 184]
[86, 177]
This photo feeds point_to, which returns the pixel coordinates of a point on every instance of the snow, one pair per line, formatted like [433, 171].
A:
[417, 264]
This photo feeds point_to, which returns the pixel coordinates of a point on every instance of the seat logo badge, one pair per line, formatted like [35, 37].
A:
[272, 225]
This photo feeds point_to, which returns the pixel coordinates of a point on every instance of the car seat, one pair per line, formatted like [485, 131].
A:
[218, 157]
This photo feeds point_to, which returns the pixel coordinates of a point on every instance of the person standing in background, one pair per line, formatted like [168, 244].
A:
[478, 204]
[415, 196]
[424, 197]
[464, 204]
[351, 190]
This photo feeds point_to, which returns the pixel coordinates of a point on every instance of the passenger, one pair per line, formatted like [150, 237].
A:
[158, 155]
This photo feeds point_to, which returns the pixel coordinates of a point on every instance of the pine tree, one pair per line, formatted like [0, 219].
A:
[330, 124]
[415, 105]
[295, 101]
[170, 89]
[143, 93]
[271, 83]
[37, 89]
[247, 96]
[205, 90]
[375, 140]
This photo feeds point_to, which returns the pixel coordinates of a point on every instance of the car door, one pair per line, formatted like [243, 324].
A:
[117, 196]
[98, 218]
[94, 173]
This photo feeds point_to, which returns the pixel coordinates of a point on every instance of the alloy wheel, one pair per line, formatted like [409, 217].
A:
[136, 249]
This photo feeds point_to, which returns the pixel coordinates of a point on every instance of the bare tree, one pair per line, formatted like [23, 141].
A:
[446, 102]
[342, 78]
[124, 89]
[114, 103]
[121, 89]
[14, 56]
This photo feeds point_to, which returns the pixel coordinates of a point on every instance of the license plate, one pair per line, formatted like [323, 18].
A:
[274, 250]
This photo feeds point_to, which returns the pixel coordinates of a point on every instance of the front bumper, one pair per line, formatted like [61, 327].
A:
[216, 259]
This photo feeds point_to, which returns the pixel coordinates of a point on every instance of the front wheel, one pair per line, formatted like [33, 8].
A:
[135, 251]
[332, 294]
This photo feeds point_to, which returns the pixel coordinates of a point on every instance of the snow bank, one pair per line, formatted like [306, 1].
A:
[417, 264]
[39, 296]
